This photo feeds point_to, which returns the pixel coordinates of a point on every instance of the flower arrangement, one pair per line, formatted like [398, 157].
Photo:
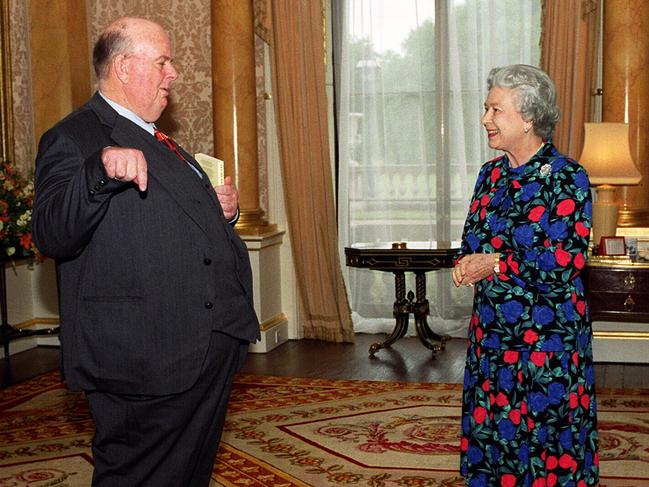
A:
[16, 197]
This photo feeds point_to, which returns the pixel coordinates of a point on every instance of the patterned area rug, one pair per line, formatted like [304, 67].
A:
[285, 432]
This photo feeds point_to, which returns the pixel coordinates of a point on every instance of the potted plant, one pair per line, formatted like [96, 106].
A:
[16, 197]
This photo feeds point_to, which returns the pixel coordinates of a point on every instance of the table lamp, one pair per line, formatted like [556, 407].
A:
[607, 158]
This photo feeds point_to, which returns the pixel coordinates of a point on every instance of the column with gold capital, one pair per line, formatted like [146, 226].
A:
[626, 95]
[234, 106]
[235, 142]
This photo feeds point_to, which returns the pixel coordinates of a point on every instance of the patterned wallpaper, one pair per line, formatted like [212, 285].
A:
[21, 86]
[189, 115]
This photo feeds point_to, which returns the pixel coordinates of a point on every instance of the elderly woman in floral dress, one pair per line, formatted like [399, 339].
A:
[529, 413]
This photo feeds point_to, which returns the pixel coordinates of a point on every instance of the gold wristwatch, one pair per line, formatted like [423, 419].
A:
[496, 264]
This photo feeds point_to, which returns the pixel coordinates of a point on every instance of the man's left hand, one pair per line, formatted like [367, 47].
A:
[228, 197]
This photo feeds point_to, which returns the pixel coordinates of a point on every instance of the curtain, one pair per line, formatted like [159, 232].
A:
[410, 84]
[301, 111]
[570, 35]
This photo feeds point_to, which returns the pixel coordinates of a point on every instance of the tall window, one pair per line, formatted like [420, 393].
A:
[410, 85]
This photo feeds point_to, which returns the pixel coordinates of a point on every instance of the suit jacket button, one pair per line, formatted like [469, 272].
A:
[207, 261]
[208, 305]
[91, 192]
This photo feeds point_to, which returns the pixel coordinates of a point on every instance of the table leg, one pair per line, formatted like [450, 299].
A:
[421, 310]
[401, 313]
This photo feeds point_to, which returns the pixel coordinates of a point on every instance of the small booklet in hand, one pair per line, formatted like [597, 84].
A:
[212, 166]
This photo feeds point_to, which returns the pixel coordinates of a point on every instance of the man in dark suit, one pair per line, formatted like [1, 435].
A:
[155, 287]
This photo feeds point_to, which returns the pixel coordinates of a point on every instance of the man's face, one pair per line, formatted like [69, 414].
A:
[150, 73]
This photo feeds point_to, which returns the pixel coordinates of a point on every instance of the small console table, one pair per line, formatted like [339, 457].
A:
[398, 258]
[618, 296]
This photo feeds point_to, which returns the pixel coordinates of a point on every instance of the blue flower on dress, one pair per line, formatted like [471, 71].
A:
[505, 379]
[487, 314]
[556, 393]
[524, 235]
[475, 454]
[552, 344]
[581, 180]
[590, 375]
[473, 241]
[542, 314]
[496, 224]
[492, 341]
[568, 310]
[511, 310]
[507, 202]
[547, 261]
[479, 481]
[524, 453]
[543, 435]
[506, 429]
[466, 424]
[565, 438]
[529, 190]
[588, 460]
[583, 434]
[583, 338]
[538, 402]
[588, 209]
[579, 284]
[494, 453]
[557, 164]
[495, 201]
[558, 230]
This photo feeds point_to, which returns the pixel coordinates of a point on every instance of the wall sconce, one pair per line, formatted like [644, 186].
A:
[607, 158]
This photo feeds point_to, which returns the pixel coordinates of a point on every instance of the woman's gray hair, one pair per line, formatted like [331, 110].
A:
[537, 96]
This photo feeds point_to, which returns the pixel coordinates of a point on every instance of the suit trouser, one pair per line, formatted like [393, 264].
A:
[170, 440]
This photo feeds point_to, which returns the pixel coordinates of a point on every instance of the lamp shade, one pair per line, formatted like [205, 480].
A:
[606, 155]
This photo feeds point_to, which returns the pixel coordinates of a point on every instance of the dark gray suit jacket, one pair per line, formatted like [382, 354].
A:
[143, 278]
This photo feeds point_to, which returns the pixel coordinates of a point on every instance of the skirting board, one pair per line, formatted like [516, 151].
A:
[274, 332]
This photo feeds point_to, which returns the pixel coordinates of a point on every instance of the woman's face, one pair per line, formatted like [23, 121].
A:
[506, 128]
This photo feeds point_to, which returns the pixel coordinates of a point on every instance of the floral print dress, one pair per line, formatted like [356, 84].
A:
[529, 413]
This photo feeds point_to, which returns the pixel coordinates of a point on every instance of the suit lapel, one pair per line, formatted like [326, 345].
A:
[162, 163]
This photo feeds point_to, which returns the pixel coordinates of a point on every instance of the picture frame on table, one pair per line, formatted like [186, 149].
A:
[612, 246]
[642, 249]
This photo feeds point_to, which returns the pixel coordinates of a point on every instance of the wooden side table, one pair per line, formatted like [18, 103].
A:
[618, 297]
[399, 259]
[618, 290]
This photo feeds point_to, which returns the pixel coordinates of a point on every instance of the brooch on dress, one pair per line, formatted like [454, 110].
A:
[546, 169]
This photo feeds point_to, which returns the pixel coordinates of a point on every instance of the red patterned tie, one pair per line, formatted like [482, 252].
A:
[168, 141]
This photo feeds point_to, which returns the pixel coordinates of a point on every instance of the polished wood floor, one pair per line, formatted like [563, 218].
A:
[407, 361]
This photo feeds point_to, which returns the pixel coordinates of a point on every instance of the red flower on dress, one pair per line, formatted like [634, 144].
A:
[484, 201]
[566, 207]
[579, 260]
[540, 482]
[551, 462]
[582, 230]
[581, 307]
[479, 414]
[574, 400]
[508, 480]
[536, 213]
[566, 461]
[515, 416]
[501, 400]
[530, 337]
[495, 174]
[563, 258]
[497, 242]
[585, 401]
[511, 356]
[538, 358]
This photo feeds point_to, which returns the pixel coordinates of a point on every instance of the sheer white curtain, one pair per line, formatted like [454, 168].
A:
[410, 85]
